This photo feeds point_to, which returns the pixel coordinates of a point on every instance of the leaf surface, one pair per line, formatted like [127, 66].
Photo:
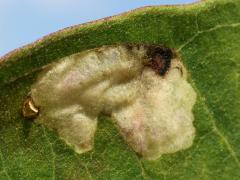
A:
[207, 37]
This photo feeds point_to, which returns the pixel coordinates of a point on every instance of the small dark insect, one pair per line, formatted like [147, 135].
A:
[160, 59]
[29, 110]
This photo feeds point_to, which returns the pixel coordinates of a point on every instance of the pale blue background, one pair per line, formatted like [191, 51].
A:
[23, 21]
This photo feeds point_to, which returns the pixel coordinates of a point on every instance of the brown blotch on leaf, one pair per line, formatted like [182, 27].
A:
[29, 110]
[159, 59]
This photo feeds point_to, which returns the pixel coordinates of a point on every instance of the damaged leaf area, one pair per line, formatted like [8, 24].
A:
[202, 59]
[142, 87]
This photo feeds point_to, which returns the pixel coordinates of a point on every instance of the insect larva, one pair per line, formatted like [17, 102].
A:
[29, 110]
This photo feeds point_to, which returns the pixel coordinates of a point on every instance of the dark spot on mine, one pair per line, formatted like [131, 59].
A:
[159, 59]
[180, 69]
[129, 47]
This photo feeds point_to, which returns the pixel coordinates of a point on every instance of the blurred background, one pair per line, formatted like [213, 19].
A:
[24, 21]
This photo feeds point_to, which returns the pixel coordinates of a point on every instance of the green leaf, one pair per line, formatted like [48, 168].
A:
[207, 37]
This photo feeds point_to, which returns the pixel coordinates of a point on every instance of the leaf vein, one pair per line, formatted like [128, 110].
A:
[143, 173]
[215, 128]
[205, 31]
[53, 154]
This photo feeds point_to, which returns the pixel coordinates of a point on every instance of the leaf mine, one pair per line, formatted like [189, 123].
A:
[143, 88]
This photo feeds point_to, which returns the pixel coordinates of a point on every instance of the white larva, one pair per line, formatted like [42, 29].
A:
[153, 112]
